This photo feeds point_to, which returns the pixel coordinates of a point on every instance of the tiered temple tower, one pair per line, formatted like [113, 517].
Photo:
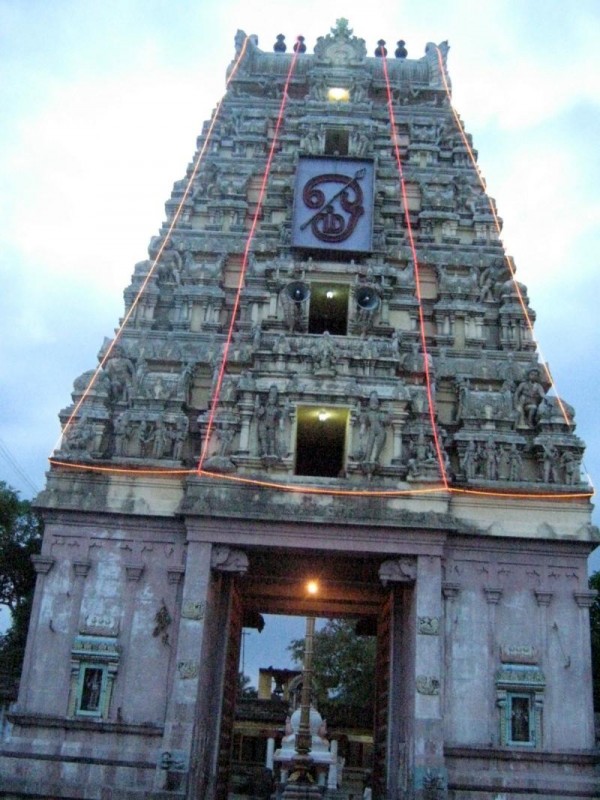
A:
[326, 366]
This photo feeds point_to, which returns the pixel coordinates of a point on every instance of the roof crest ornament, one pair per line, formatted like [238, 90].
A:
[340, 47]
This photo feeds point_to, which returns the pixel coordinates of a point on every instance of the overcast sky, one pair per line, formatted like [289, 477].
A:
[102, 101]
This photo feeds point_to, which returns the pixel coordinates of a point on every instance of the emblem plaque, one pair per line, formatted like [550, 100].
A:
[333, 204]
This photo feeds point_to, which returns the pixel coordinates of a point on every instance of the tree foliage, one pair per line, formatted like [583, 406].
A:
[20, 538]
[343, 664]
[595, 633]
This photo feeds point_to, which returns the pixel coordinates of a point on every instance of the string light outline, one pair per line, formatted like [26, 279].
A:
[166, 240]
[259, 205]
[430, 398]
[507, 259]
[169, 472]
[446, 488]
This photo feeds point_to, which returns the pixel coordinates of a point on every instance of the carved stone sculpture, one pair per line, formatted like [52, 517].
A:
[269, 416]
[374, 422]
[528, 396]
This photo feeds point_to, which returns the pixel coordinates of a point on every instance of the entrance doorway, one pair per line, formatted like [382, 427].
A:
[351, 596]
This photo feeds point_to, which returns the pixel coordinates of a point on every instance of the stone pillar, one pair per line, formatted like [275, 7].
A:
[584, 600]
[270, 752]
[42, 564]
[332, 776]
[543, 600]
[177, 741]
[133, 573]
[450, 592]
[430, 778]
[492, 596]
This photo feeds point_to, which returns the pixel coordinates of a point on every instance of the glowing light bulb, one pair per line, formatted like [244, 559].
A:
[329, 295]
[337, 93]
[312, 587]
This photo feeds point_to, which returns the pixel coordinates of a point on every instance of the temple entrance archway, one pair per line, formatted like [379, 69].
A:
[349, 587]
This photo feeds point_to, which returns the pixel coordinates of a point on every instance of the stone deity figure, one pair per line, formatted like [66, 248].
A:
[515, 464]
[160, 440]
[528, 396]
[374, 422]
[323, 354]
[142, 435]
[169, 266]
[121, 433]
[179, 436]
[468, 462]
[491, 461]
[120, 372]
[572, 466]
[79, 435]
[185, 380]
[269, 416]
[550, 464]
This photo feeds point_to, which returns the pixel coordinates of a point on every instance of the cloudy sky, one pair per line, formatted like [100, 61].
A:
[101, 104]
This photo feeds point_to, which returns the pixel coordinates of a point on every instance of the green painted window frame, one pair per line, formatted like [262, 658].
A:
[98, 712]
[510, 698]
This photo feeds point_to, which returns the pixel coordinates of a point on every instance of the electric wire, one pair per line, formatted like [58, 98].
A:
[10, 458]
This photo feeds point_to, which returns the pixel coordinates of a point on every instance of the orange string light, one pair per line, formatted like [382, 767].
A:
[430, 398]
[242, 276]
[507, 260]
[156, 260]
[171, 472]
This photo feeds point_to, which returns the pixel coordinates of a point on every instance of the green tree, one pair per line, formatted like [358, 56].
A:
[245, 690]
[595, 633]
[20, 538]
[343, 664]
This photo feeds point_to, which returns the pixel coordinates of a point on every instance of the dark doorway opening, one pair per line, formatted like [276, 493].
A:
[321, 441]
[336, 142]
[328, 308]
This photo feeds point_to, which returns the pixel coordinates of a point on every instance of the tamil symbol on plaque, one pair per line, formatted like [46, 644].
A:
[333, 204]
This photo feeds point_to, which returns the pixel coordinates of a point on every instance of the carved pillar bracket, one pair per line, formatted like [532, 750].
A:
[175, 574]
[82, 568]
[450, 590]
[42, 564]
[585, 599]
[401, 570]
[134, 571]
[226, 559]
[543, 598]
[493, 595]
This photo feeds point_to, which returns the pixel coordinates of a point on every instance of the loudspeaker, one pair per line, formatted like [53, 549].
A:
[297, 291]
[367, 299]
